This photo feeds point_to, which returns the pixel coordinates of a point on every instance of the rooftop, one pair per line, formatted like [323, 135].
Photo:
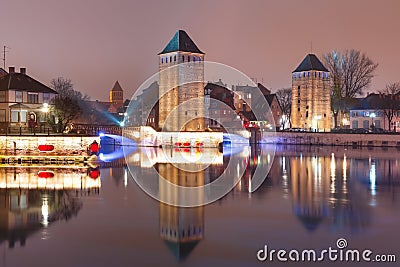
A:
[310, 62]
[23, 82]
[181, 42]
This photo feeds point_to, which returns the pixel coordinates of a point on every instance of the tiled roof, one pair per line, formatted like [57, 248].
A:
[181, 42]
[310, 62]
[117, 87]
[23, 82]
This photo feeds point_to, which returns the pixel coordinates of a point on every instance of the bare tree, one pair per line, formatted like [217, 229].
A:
[390, 101]
[351, 72]
[67, 104]
[284, 96]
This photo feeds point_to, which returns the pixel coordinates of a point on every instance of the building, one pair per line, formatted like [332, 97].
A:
[178, 84]
[311, 99]
[25, 103]
[219, 106]
[373, 112]
[117, 95]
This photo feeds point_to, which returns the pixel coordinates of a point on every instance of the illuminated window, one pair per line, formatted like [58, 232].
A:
[194, 59]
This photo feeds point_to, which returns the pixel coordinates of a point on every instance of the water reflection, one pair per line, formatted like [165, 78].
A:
[33, 198]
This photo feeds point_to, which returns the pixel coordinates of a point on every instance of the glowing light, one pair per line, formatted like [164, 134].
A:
[101, 134]
[45, 211]
[372, 178]
[122, 123]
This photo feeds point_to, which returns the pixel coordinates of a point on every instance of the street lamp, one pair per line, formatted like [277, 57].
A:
[372, 116]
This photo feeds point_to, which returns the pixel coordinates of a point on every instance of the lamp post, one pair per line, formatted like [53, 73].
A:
[372, 116]
[45, 110]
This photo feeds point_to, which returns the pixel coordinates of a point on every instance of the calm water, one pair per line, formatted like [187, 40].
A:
[312, 196]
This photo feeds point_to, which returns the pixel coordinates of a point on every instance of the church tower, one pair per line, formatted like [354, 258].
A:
[117, 95]
[181, 66]
[311, 98]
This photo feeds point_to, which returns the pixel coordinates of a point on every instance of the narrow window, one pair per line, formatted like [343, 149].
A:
[162, 60]
[183, 58]
[174, 58]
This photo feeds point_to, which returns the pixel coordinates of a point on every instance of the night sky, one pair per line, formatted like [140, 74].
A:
[95, 43]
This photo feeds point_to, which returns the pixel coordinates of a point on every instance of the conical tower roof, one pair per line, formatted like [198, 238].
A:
[181, 42]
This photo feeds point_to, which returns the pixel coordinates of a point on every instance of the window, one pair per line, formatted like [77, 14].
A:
[298, 87]
[14, 116]
[2, 115]
[186, 113]
[174, 58]
[188, 58]
[365, 124]
[33, 98]
[194, 59]
[162, 60]
[308, 74]
[183, 58]
[18, 96]
[46, 98]
[166, 60]
[354, 124]
[170, 59]
[2, 96]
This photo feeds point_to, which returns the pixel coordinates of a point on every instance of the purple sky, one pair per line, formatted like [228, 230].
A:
[95, 43]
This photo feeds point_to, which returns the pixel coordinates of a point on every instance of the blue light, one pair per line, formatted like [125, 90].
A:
[101, 134]
[122, 124]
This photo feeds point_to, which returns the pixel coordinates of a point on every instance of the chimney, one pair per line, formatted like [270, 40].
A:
[22, 70]
[11, 69]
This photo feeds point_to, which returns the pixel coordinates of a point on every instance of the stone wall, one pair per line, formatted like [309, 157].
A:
[331, 139]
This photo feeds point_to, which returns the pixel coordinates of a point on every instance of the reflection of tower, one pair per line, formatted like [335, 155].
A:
[309, 187]
[180, 228]
[181, 50]
[311, 99]
[117, 95]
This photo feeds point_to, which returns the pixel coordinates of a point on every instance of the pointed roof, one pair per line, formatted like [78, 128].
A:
[310, 62]
[117, 87]
[181, 250]
[181, 42]
[23, 82]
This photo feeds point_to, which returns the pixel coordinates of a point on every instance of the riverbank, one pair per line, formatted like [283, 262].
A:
[331, 139]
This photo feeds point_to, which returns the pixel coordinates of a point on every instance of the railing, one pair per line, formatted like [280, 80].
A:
[80, 129]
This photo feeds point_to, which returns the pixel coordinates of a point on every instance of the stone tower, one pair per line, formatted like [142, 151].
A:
[181, 66]
[311, 98]
[117, 95]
